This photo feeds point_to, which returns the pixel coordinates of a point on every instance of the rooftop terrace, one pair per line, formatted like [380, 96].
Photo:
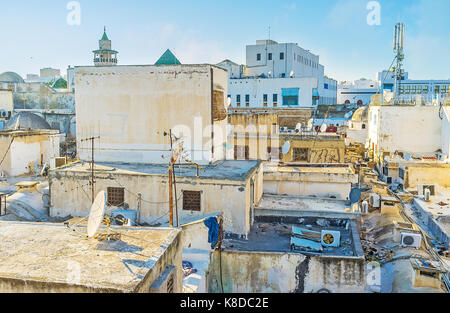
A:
[227, 170]
[52, 254]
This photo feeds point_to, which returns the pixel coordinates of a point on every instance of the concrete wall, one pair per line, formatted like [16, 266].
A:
[414, 129]
[26, 149]
[264, 272]
[321, 184]
[130, 108]
[445, 139]
[439, 175]
[70, 195]
[6, 100]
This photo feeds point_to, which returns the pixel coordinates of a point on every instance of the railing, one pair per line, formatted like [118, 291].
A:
[105, 60]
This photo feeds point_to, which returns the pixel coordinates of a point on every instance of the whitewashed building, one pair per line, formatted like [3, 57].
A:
[279, 75]
[358, 92]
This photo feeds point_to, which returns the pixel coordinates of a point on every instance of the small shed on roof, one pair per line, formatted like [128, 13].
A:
[168, 58]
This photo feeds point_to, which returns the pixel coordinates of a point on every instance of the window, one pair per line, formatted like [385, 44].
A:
[191, 200]
[281, 55]
[300, 154]
[265, 100]
[115, 196]
[270, 56]
[258, 57]
[275, 98]
[325, 86]
[290, 96]
[363, 126]
[241, 153]
[238, 100]
[283, 75]
[247, 98]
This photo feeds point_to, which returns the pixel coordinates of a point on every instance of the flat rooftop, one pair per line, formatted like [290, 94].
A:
[438, 208]
[274, 235]
[227, 170]
[300, 168]
[275, 204]
[49, 253]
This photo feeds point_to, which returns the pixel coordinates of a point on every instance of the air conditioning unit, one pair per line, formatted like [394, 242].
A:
[411, 240]
[421, 189]
[375, 200]
[331, 238]
[125, 217]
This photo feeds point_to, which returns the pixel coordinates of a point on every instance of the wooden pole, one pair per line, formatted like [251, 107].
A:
[92, 173]
[170, 181]
[170, 194]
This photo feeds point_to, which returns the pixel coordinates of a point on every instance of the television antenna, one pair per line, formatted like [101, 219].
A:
[176, 155]
[92, 183]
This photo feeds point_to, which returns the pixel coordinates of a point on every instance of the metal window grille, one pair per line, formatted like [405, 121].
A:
[116, 196]
[191, 200]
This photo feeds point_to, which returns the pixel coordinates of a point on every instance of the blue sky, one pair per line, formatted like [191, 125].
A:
[35, 34]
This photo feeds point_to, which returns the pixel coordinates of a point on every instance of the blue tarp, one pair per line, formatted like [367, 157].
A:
[213, 234]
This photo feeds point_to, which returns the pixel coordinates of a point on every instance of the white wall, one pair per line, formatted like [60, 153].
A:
[414, 129]
[256, 88]
[130, 108]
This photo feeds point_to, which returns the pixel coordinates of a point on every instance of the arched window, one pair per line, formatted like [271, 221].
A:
[360, 102]
[347, 101]
[363, 126]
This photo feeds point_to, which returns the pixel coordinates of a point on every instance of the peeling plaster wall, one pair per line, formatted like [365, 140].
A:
[71, 195]
[130, 108]
[263, 272]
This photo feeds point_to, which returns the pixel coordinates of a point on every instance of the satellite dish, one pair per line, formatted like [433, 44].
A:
[323, 128]
[286, 148]
[97, 213]
[355, 195]
[291, 74]
[407, 157]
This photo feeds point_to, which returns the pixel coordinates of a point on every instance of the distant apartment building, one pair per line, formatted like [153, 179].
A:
[359, 92]
[279, 75]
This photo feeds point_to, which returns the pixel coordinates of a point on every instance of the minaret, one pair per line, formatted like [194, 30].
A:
[104, 56]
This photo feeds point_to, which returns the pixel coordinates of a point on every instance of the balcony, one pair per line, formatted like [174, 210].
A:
[105, 60]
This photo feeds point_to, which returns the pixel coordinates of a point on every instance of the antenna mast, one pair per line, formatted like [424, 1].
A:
[92, 182]
[399, 38]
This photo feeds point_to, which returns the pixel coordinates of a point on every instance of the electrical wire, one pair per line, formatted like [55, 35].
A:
[9, 147]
